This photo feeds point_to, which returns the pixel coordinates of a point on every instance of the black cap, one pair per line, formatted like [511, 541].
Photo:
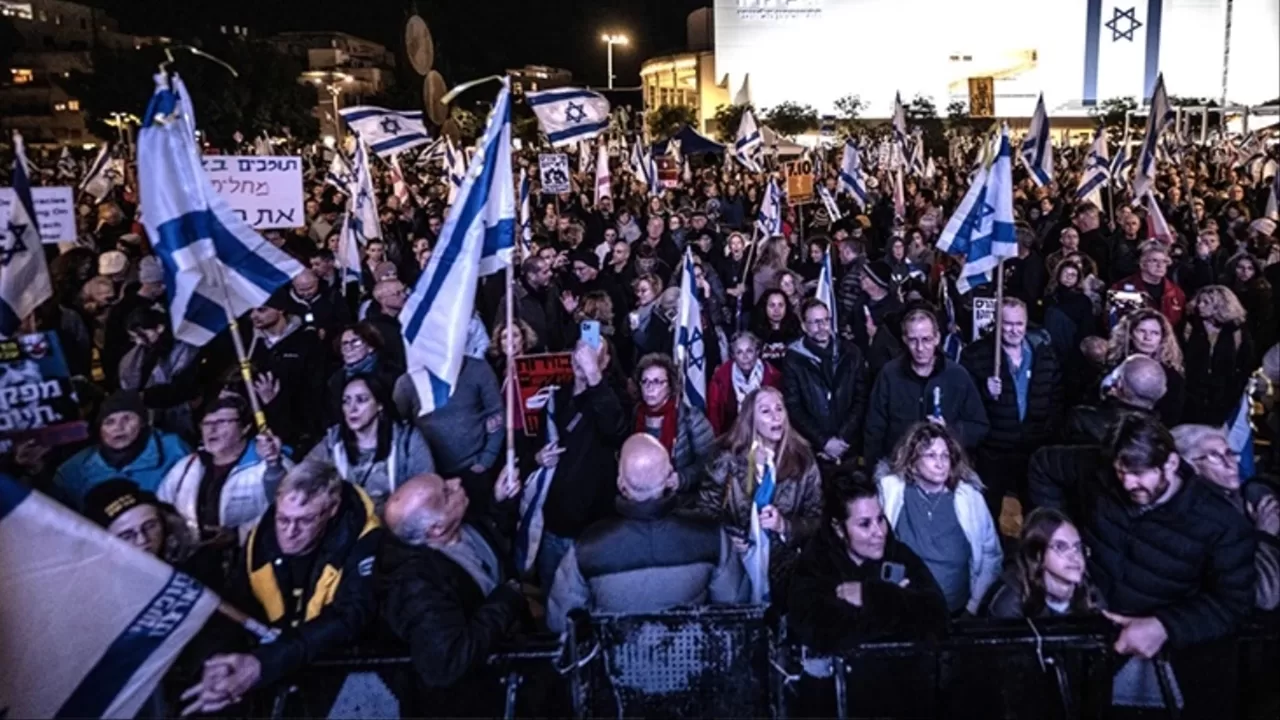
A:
[108, 500]
[122, 401]
[586, 257]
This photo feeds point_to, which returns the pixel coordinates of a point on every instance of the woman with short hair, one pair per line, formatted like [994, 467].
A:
[733, 381]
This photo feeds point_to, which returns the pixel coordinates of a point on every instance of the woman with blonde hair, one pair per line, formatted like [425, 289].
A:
[1146, 331]
[1219, 355]
[504, 344]
[762, 432]
[934, 502]
[1049, 574]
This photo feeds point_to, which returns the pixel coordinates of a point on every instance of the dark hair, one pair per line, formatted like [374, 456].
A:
[1037, 530]
[842, 490]
[232, 402]
[790, 325]
[382, 395]
[363, 330]
[323, 253]
[1139, 442]
[146, 317]
[811, 303]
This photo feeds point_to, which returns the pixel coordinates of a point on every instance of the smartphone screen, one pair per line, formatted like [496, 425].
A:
[591, 333]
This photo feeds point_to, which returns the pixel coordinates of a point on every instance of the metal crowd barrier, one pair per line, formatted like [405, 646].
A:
[736, 662]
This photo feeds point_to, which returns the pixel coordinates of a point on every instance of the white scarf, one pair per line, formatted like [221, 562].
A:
[743, 385]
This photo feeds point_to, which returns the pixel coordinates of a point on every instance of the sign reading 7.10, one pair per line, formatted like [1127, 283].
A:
[265, 191]
[799, 182]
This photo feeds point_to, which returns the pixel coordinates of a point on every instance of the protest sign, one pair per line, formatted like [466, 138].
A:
[553, 170]
[984, 317]
[668, 171]
[37, 400]
[535, 373]
[265, 191]
[55, 207]
[799, 182]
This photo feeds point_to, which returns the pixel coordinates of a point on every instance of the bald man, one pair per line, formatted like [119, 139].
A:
[446, 589]
[647, 558]
[1135, 386]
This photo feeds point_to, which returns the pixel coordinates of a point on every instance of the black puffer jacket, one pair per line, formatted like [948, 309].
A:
[1187, 562]
[900, 398]
[1089, 424]
[1044, 395]
[1217, 373]
[821, 405]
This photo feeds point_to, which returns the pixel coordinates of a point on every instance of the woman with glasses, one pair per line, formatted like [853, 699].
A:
[1049, 577]
[360, 347]
[683, 430]
[934, 502]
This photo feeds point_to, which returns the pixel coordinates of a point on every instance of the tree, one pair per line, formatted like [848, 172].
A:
[921, 108]
[957, 110]
[791, 118]
[1112, 113]
[666, 120]
[848, 108]
[726, 121]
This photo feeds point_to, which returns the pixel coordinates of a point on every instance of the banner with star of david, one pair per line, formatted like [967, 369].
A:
[1122, 48]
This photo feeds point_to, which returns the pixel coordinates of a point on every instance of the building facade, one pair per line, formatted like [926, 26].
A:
[533, 78]
[687, 80]
[340, 64]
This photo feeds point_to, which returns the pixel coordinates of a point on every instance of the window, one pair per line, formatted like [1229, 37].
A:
[21, 76]
[73, 105]
[59, 107]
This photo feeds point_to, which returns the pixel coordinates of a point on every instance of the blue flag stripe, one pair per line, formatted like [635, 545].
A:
[357, 115]
[553, 96]
[12, 493]
[578, 130]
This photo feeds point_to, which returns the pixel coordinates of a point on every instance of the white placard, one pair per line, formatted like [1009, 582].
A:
[984, 316]
[553, 169]
[265, 190]
[55, 207]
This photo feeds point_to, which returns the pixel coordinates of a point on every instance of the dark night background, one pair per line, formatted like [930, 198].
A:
[472, 37]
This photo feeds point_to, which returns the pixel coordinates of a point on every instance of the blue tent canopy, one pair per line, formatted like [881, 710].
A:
[691, 143]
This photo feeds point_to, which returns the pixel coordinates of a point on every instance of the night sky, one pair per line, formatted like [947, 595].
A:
[472, 37]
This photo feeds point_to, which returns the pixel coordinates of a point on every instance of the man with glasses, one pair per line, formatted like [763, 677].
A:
[1208, 451]
[825, 381]
[1171, 557]
[1153, 282]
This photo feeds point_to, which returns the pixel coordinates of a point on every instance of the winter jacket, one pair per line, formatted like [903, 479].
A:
[647, 559]
[1171, 303]
[409, 455]
[1090, 424]
[337, 382]
[466, 430]
[900, 398]
[1009, 433]
[249, 489]
[297, 360]
[695, 443]
[985, 555]
[822, 406]
[82, 471]
[722, 401]
[1188, 561]
[161, 371]
[592, 426]
[1217, 374]
[824, 623]
[339, 605]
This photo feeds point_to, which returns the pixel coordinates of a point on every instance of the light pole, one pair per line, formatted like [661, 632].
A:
[332, 82]
[610, 41]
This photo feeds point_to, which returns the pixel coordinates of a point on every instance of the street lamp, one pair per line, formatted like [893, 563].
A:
[332, 82]
[610, 41]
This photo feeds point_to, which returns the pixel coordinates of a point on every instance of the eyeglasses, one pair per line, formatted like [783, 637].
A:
[150, 529]
[653, 382]
[217, 423]
[1063, 547]
[352, 344]
[1222, 458]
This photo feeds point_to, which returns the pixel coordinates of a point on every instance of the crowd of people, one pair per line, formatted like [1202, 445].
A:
[1073, 463]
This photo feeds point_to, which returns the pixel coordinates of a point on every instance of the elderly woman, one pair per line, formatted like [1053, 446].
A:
[934, 502]
[683, 430]
[1207, 450]
[1147, 332]
[734, 380]
[360, 347]
[1218, 355]
[762, 436]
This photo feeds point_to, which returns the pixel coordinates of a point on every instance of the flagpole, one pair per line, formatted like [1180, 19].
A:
[510, 380]
[246, 370]
[999, 321]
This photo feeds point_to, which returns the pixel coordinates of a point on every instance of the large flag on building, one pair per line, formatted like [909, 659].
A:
[851, 174]
[1122, 48]
[211, 258]
[24, 276]
[691, 355]
[1158, 118]
[104, 175]
[477, 239]
[386, 132]
[981, 229]
[748, 144]
[1097, 169]
[1037, 147]
[89, 624]
[568, 115]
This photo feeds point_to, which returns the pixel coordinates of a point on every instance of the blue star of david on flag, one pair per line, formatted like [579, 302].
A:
[8, 250]
[1127, 18]
[569, 115]
[574, 113]
[390, 125]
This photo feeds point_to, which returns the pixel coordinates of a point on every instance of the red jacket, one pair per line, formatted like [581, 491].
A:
[1170, 304]
[722, 402]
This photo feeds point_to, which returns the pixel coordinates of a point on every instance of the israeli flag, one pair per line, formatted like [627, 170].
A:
[915, 154]
[604, 183]
[568, 115]
[651, 173]
[1121, 48]
[1272, 210]
[691, 356]
[340, 174]
[104, 175]
[477, 239]
[756, 559]
[1120, 164]
[526, 216]
[455, 168]
[1157, 226]
[981, 228]
[851, 174]
[213, 262]
[24, 276]
[1097, 170]
[899, 123]
[952, 342]
[769, 218]
[399, 188]
[829, 203]
[826, 291]
[1037, 147]
[362, 205]
[1240, 433]
[386, 132]
[67, 168]
[748, 144]
[91, 624]
[635, 162]
[1159, 117]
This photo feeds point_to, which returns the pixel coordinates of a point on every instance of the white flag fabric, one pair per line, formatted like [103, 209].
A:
[455, 168]
[1097, 170]
[1158, 118]
[851, 178]
[104, 175]
[67, 168]
[526, 216]
[769, 218]
[568, 115]
[340, 174]
[386, 132]
[899, 123]
[828, 202]
[1272, 210]
[826, 291]
[362, 204]
[476, 239]
[1037, 147]
[756, 560]
[24, 275]
[1117, 49]
[89, 624]
[604, 183]
[981, 228]
[690, 344]
[1157, 226]
[748, 144]
[211, 258]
